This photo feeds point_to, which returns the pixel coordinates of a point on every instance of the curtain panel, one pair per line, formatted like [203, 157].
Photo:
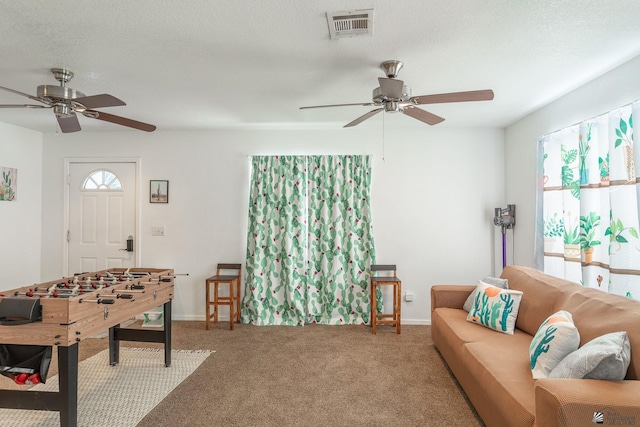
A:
[309, 241]
[590, 203]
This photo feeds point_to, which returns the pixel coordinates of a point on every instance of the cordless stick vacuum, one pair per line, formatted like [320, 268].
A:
[505, 218]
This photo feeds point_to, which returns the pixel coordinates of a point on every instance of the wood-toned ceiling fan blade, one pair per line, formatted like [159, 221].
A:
[391, 88]
[363, 117]
[100, 101]
[23, 106]
[123, 121]
[422, 115]
[474, 95]
[69, 124]
[17, 92]
[361, 104]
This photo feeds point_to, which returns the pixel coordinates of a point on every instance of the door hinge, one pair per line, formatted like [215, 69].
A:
[68, 236]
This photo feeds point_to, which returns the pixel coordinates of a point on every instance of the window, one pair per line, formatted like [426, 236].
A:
[102, 180]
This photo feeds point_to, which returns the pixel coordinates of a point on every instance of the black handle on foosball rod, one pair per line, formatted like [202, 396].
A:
[106, 301]
[124, 296]
[136, 287]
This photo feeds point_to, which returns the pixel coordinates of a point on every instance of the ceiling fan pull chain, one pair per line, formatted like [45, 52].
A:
[383, 138]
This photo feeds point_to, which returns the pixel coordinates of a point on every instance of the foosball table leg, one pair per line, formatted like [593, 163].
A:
[68, 385]
[114, 346]
[167, 333]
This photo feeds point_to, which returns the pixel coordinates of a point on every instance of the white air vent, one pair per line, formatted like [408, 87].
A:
[350, 24]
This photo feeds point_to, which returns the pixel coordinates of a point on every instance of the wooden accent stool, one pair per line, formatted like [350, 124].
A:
[393, 318]
[233, 300]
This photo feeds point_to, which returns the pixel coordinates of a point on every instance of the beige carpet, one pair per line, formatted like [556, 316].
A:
[305, 376]
[115, 396]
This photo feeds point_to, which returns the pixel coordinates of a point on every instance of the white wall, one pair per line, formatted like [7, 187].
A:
[433, 199]
[433, 194]
[20, 235]
[617, 88]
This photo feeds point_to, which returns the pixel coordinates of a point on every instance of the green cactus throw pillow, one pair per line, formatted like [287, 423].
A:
[495, 308]
[555, 339]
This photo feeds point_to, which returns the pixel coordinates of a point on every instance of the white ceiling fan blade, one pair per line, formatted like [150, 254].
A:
[422, 115]
[391, 88]
[361, 104]
[363, 117]
[474, 95]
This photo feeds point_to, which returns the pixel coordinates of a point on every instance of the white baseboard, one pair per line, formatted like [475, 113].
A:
[196, 318]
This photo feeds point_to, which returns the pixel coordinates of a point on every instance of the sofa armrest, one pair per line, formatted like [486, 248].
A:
[573, 402]
[450, 296]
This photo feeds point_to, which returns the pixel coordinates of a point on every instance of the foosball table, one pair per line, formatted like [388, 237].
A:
[74, 308]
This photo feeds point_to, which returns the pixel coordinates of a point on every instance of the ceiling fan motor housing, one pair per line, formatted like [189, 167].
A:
[379, 98]
[55, 93]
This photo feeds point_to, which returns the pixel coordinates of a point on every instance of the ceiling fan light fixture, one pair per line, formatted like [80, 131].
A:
[66, 102]
[62, 110]
[391, 107]
[393, 96]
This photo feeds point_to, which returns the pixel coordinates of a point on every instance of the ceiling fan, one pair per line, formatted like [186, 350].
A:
[66, 102]
[393, 96]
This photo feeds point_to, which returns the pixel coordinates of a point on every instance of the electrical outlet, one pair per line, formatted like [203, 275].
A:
[157, 231]
[408, 296]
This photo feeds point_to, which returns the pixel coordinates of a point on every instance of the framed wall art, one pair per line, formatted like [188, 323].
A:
[158, 191]
[8, 184]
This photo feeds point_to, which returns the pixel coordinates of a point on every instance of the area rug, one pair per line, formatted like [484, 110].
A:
[113, 396]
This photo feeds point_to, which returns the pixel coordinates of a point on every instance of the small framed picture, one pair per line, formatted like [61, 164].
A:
[158, 191]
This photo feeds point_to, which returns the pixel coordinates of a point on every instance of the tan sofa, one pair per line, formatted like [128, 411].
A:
[494, 369]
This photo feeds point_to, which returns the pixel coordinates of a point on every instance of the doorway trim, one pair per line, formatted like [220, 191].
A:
[68, 161]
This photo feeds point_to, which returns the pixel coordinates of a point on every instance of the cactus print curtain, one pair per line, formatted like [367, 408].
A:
[309, 243]
[590, 204]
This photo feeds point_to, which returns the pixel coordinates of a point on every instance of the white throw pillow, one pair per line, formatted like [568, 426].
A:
[555, 339]
[495, 308]
[606, 357]
[495, 281]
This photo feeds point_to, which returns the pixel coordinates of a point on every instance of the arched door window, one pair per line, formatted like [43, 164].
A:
[102, 180]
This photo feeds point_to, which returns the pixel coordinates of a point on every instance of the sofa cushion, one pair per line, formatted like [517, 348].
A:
[594, 312]
[453, 326]
[603, 358]
[502, 380]
[495, 308]
[495, 281]
[534, 284]
[554, 340]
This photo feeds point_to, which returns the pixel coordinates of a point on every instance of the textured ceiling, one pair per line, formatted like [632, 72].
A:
[252, 63]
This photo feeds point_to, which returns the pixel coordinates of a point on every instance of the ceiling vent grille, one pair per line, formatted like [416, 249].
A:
[350, 24]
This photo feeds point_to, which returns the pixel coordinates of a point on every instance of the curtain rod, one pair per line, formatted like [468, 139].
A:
[586, 120]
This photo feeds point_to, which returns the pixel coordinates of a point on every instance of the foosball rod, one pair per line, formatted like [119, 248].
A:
[99, 301]
[110, 300]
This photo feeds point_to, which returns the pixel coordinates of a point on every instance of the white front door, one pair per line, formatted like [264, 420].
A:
[102, 216]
